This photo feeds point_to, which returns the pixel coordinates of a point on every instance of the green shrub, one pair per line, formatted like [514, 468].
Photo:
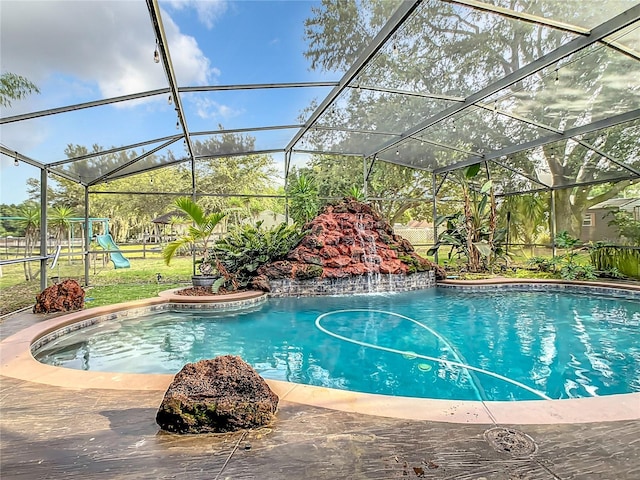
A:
[246, 248]
[542, 264]
[624, 261]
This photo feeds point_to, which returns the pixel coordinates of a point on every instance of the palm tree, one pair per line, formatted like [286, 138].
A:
[30, 223]
[198, 236]
[527, 216]
[60, 222]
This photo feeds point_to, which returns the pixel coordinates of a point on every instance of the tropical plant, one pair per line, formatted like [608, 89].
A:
[8, 226]
[198, 236]
[569, 268]
[303, 193]
[615, 261]
[526, 218]
[542, 264]
[356, 193]
[627, 226]
[247, 247]
[60, 221]
[30, 224]
[473, 232]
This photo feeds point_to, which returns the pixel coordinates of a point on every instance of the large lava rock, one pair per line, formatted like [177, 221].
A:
[62, 297]
[223, 394]
[348, 239]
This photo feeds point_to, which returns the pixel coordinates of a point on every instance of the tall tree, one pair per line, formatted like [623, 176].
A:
[60, 221]
[9, 227]
[228, 174]
[392, 189]
[453, 50]
[130, 212]
[30, 223]
[526, 218]
[15, 87]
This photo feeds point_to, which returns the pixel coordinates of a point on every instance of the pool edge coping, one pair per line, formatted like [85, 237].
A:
[16, 361]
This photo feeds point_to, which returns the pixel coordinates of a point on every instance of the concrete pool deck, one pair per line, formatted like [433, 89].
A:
[51, 418]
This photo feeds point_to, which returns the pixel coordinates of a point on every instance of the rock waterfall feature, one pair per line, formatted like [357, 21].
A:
[349, 240]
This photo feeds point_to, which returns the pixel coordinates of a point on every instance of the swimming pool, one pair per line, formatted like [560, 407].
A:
[436, 343]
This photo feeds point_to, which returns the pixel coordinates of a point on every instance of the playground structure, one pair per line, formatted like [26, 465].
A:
[109, 245]
[103, 238]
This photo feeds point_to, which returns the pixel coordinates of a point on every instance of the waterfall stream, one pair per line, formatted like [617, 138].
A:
[370, 257]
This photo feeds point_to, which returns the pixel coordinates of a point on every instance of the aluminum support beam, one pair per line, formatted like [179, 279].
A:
[547, 22]
[246, 130]
[556, 137]
[370, 169]
[124, 192]
[256, 86]
[34, 163]
[113, 150]
[21, 158]
[87, 240]
[434, 186]
[364, 178]
[603, 30]
[405, 10]
[80, 106]
[287, 165]
[552, 225]
[450, 147]
[408, 93]
[609, 157]
[444, 179]
[517, 172]
[43, 229]
[593, 182]
[165, 58]
[521, 16]
[149, 169]
[235, 154]
[106, 176]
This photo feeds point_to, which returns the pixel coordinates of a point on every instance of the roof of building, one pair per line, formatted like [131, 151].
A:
[619, 203]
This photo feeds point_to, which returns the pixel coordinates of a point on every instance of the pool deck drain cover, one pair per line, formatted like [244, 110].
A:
[510, 441]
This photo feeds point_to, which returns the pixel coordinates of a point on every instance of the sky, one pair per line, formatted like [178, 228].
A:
[86, 50]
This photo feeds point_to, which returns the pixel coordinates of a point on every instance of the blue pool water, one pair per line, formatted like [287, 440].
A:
[436, 343]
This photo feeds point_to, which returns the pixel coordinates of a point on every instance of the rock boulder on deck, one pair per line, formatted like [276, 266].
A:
[65, 296]
[223, 394]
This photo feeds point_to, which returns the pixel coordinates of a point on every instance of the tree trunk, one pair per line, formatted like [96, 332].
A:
[565, 214]
[28, 249]
[572, 205]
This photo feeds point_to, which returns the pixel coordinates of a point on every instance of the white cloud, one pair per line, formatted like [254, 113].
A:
[107, 43]
[209, 11]
[189, 63]
[209, 109]
[24, 139]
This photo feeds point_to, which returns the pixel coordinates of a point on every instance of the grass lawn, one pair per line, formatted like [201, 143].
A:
[107, 285]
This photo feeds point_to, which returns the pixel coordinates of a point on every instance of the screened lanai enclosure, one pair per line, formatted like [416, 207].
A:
[390, 100]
